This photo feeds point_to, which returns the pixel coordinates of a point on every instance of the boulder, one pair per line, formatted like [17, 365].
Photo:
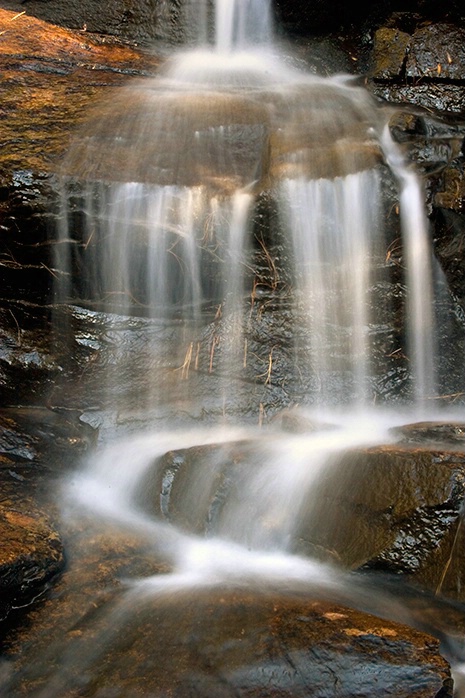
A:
[239, 644]
[394, 508]
[226, 641]
[397, 508]
[34, 443]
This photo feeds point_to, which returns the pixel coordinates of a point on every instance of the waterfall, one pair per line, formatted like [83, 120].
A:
[332, 224]
[232, 197]
[167, 189]
[241, 24]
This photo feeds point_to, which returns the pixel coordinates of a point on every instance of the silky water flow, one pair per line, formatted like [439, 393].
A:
[161, 203]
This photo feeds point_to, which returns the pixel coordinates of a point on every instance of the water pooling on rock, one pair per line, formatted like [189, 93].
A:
[162, 195]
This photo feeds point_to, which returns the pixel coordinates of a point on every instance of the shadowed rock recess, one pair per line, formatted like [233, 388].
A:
[393, 511]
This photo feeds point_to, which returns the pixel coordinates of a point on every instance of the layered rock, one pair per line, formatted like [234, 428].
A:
[50, 76]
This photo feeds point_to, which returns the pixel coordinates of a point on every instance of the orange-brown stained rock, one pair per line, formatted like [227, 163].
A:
[90, 639]
[24, 37]
[31, 551]
[50, 75]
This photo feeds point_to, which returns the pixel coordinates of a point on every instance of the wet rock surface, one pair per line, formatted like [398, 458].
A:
[32, 552]
[134, 20]
[34, 443]
[413, 516]
[221, 641]
[254, 646]
[50, 76]
[396, 508]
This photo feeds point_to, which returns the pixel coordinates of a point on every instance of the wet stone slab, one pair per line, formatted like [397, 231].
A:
[213, 642]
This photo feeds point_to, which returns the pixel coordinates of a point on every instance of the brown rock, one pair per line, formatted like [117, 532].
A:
[231, 643]
[32, 443]
[31, 553]
[451, 194]
[49, 77]
[140, 20]
[396, 509]
[389, 53]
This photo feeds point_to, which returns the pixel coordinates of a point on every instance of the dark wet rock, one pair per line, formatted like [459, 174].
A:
[450, 192]
[231, 643]
[40, 437]
[439, 98]
[437, 50]
[31, 553]
[148, 20]
[264, 647]
[135, 20]
[33, 443]
[433, 145]
[449, 246]
[431, 433]
[436, 147]
[448, 206]
[35, 358]
[402, 508]
[424, 67]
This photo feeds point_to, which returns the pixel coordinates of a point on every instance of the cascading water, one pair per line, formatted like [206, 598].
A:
[170, 181]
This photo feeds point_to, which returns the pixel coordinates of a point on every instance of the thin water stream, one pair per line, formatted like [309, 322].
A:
[170, 181]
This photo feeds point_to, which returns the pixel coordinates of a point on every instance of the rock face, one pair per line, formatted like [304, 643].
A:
[137, 20]
[50, 76]
[402, 511]
[31, 555]
[213, 642]
[246, 646]
[426, 67]
[421, 67]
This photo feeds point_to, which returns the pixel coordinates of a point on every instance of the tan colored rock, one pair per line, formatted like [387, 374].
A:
[389, 53]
